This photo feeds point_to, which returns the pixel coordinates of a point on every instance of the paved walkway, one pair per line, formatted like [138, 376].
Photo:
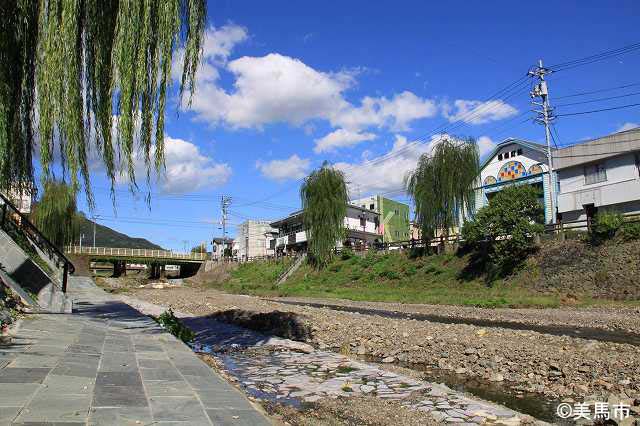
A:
[107, 364]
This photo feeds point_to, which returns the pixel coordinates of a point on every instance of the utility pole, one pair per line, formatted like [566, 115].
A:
[545, 117]
[94, 218]
[225, 202]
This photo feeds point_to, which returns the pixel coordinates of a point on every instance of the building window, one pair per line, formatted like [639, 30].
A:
[638, 163]
[519, 151]
[513, 153]
[595, 173]
[499, 157]
[372, 206]
[506, 155]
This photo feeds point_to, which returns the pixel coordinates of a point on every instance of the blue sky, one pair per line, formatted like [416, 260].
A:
[286, 85]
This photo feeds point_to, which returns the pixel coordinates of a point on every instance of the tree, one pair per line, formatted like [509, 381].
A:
[73, 70]
[199, 249]
[442, 185]
[502, 233]
[55, 213]
[324, 203]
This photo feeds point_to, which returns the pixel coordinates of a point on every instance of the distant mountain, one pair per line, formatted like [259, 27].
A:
[107, 237]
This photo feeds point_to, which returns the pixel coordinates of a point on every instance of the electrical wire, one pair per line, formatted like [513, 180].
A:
[597, 91]
[594, 58]
[597, 110]
[598, 99]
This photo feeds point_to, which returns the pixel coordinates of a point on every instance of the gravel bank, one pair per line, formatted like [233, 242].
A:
[554, 366]
[620, 318]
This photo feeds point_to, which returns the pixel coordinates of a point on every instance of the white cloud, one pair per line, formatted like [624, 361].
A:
[269, 89]
[485, 145]
[280, 89]
[373, 175]
[477, 112]
[188, 170]
[395, 113]
[293, 167]
[628, 126]
[388, 171]
[341, 138]
[217, 45]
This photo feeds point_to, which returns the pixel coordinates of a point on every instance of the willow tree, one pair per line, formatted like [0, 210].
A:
[442, 185]
[73, 70]
[55, 213]
[324, 203]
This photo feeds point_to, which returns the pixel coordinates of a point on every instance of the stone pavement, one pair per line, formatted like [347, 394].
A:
[107, 364]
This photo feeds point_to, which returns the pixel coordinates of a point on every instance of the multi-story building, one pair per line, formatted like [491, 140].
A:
[515, 161]
[253, 239]
[599, 175]
[394, 217]
[362, 230]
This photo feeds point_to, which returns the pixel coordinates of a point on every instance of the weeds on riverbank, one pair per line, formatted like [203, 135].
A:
[384, 277]
[173, 325]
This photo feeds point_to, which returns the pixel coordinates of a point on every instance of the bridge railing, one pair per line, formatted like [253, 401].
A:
[134, 252]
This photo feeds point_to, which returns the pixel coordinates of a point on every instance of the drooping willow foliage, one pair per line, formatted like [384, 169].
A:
[442, 185]
[55, 213]
[72, 71]
[324, 202]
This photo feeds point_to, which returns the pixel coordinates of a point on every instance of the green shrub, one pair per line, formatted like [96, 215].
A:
[346, 254]
[501, 235]
[174, 326]
[388, 274]
[605, 225]
[629, 231]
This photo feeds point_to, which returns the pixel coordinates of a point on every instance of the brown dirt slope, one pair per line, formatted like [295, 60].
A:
[576, 267]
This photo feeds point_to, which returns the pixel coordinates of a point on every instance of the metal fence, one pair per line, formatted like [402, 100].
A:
[582, 225]
[133, 252]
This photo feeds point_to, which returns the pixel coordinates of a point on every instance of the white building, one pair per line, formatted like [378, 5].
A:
[599, 175]
[253, 239]
[362, 226]
[23, 200]
[515, 161]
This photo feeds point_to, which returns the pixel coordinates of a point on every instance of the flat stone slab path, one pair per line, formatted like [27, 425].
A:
[108, 364]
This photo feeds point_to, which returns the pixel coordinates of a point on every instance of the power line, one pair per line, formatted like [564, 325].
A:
[597, 91]
[597, 110]
[595, 58]
[599, 99]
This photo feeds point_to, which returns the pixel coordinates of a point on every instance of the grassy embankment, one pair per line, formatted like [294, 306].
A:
[390, 277]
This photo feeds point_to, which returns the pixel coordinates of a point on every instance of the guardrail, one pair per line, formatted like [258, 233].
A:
[133, 252]
[14, 221]
[582, 225]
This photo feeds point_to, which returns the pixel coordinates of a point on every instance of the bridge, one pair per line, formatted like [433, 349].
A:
[157, 259]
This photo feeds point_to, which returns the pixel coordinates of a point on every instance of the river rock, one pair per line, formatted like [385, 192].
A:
[389, 359]
[496, 377]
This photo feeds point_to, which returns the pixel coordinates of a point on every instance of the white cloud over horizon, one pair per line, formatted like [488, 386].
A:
[293, 167]
[627, 126]
[388, 173]
[186, 169]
